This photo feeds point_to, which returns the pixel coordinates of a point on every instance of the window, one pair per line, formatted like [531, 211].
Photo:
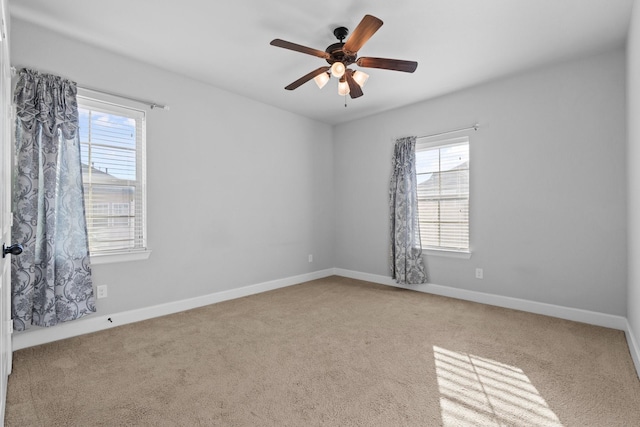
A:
[112, 144]
[442, 169]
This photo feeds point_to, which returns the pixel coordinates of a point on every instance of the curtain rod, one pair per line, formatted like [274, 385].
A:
[474, 127]
[151, 104]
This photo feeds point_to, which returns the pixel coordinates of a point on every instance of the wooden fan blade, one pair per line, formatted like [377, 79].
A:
[388, 64]
[302, 80]
[299, 48]
[355, 91]
[363, 32]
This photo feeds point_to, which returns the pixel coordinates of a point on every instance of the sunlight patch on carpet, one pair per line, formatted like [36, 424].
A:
[479, 391]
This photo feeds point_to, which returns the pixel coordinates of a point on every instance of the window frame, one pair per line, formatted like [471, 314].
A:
[433, 142]
[85, 98]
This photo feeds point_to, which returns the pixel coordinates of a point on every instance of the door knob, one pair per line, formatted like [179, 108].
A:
[15, 249]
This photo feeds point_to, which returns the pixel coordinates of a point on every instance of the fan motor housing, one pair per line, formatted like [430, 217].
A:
[337, 54]
[336, 51]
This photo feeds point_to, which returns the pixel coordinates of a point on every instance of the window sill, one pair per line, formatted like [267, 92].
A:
[447, 254]
[120, 257]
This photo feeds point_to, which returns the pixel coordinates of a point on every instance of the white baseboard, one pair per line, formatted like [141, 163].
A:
[568, 313]
[94, 323]
[36, 336]
[633, 347]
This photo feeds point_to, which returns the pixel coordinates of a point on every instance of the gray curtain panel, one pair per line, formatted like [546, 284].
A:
[407, 265]
[51, 280]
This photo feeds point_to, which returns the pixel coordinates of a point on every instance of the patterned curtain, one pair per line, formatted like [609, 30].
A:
[51, 280]
[407, 265]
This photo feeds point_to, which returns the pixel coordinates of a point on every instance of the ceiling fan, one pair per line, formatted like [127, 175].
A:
[341, 55]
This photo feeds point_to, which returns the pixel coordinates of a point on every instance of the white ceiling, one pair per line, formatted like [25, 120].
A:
[457, 43]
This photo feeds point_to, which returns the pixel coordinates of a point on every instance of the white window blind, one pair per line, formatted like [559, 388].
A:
[442, 169]
[112, 143]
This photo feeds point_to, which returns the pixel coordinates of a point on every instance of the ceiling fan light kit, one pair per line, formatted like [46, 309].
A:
[360, 77]
[343, 87]
[338, 69]
[321, 79]
[341, 55]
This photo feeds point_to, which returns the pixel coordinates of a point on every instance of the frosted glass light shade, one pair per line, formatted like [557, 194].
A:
[337, 69]
[321, 79]
[343, 88]
[360, 77]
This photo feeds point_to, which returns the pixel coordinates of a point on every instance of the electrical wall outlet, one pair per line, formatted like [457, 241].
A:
[479, 273]
[310, 258]
[102, 291]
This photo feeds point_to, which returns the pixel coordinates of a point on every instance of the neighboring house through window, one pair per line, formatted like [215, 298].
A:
[442, 169]
[112, 143]
[99, 213]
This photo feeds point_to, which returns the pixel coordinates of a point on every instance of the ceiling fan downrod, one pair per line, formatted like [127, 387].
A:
[341, 33]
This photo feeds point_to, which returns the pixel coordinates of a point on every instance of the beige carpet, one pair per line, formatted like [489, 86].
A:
[335, 352]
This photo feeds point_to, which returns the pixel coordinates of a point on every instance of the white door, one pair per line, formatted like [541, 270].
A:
[6, 326]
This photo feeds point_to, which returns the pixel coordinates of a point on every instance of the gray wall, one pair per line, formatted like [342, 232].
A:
[239, 192]
[633, 160]
[548, 185]
[548, 195]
